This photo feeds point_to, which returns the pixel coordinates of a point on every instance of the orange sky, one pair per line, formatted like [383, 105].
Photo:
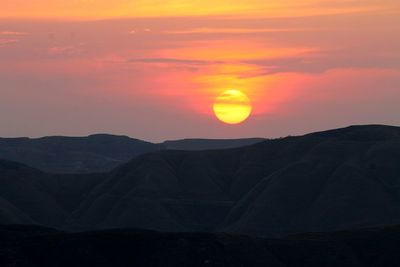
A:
[95, 9]
[305, 65]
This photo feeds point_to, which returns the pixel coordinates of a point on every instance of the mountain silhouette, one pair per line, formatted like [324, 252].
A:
[208, 144]
[325, 181]
[95, 153]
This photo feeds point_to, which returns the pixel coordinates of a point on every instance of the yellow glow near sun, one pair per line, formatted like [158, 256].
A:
[232, 107]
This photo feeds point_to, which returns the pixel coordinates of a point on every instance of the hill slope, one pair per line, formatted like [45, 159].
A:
[209, 144]
[325, 181]
[95, 153]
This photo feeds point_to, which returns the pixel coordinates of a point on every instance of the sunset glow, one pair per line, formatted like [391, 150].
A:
[94, 9]
[232, 107]
[213, 129]
[116, 66]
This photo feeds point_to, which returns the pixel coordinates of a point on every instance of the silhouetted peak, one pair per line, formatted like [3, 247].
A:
[209, 144]
[361, 133]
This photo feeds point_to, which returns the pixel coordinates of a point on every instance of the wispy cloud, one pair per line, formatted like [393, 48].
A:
[10, 37]
[237, 30]
[174, 61]
[66, 50]
[11, 33]
[4, 42]
[137, 31]
[322, 61]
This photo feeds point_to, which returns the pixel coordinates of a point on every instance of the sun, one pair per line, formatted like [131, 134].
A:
[232, 107]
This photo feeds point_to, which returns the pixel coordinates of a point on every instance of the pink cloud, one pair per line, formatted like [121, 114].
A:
[11, 33]
[4, 42]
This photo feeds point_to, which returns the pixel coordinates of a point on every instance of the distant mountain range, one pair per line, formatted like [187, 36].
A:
[36, 246]
[326, 181]
[96, 153]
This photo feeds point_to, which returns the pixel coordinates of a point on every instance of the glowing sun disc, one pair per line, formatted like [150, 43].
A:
[232, 107]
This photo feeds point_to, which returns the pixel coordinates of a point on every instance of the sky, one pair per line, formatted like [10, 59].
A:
[153, 69]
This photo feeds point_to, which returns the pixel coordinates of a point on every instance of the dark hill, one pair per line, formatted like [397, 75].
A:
[29, 196]
[325, 181]
[57, 154]
[95, 153]
[318, 182]
[208, 144]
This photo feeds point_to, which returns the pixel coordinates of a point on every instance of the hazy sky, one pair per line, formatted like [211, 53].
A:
[152, 69]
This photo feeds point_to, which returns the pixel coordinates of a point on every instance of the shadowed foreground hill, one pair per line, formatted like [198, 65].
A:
[29, 196]
[34, 246]
[324, 181]
[95, 153]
